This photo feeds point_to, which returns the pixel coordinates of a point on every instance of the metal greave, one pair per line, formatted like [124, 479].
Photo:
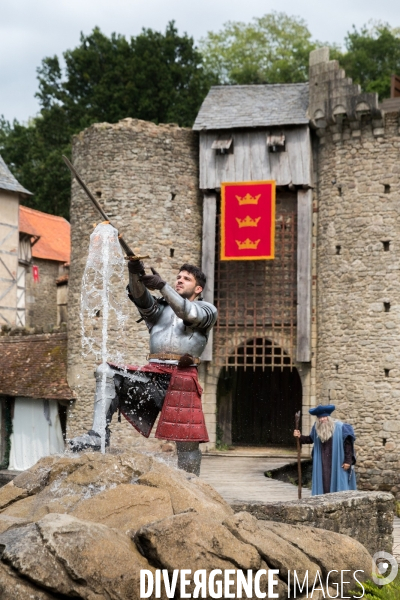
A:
[110, 393]
[189, 457]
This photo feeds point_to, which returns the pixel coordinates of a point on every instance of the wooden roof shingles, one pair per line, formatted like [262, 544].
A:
[237, 106]
[35, 366]
[8, 181]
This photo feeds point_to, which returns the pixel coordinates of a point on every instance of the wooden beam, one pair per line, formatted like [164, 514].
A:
[395, 86]
[304, 253]
[208, 255]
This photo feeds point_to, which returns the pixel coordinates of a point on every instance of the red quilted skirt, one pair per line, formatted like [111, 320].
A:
[182, 418]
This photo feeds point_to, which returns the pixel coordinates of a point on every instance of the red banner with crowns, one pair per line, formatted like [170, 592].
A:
[248, 220]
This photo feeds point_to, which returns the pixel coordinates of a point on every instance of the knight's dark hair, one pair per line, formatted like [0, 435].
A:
[197, 273]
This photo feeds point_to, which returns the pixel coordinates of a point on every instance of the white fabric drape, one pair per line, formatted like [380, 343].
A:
[33, 436]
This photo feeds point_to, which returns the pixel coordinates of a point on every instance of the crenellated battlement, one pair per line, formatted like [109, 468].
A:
[334, 99]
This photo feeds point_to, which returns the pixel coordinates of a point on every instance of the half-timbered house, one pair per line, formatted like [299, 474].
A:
[14, 250]
[34, 260]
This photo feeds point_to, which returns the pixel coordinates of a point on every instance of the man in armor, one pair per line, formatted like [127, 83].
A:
[179, 324]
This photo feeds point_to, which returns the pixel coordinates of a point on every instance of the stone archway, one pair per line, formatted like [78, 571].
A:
[256, 404]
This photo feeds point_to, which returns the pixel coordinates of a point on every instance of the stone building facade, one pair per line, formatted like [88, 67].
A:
[46, 267]
[41, 297]
[34, 249]
[357, 285]
[147, 178]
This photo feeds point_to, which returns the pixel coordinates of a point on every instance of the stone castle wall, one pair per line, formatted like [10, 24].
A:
[41, 296]
[358, 288]
[146, 179]
[364, 516]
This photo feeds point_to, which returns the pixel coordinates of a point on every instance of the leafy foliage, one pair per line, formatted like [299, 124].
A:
[33, 153]
[373, 55]
[163, 77]
[391, 591]
[271, 49]
[154, 76]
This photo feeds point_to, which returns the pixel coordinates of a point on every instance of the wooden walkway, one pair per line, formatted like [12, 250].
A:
[242, 478]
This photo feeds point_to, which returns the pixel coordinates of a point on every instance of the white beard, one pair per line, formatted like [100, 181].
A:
[325, 429]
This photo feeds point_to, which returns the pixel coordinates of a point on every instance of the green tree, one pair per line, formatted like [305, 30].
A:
[271, 49]
[373, 55]
[153, 76]
[33, 153]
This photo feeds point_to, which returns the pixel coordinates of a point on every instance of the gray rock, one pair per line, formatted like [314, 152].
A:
[75, 558]
[275, 550]
[191, 541]
[180, 522]
[331, 551]
[14, 588]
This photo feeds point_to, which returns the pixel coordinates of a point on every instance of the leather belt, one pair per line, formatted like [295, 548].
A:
[164, 356]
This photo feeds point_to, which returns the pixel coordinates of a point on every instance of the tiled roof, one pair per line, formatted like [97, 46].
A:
[35, 366]
[8, 181]
[54, 233]
[232, 106]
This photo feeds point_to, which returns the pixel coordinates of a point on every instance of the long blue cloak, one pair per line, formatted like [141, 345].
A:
[341, 480]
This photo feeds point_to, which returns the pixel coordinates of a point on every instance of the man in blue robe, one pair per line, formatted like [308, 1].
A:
[333, 453]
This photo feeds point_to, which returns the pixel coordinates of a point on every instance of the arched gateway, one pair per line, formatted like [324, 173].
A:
[256, 403]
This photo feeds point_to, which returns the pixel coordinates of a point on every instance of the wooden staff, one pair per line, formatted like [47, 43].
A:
[297, 426]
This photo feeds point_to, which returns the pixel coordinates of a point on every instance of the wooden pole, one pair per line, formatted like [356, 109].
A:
[297, 426]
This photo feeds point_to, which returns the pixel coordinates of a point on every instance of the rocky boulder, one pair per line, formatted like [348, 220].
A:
[86, 526]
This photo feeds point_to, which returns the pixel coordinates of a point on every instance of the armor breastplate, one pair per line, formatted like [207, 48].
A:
[170, 335]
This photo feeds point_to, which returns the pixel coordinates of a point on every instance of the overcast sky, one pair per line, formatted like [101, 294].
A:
[33, 29]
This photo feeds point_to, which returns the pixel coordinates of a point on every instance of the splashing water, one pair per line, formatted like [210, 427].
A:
[104, 301]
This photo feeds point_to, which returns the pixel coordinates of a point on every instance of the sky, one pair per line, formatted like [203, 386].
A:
[33, 29]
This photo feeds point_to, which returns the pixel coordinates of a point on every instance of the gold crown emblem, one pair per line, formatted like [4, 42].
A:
[248, 244]
[248, 199]
[248, 222]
